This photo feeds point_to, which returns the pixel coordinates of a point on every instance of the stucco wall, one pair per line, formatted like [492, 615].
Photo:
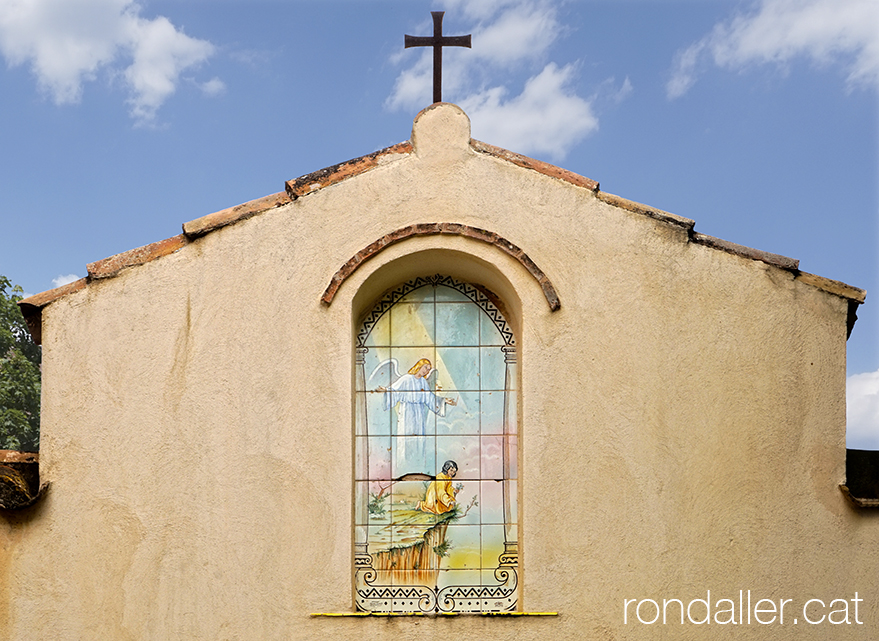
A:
[682, 419]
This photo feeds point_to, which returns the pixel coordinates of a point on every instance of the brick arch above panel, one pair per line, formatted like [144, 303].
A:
[433, 229]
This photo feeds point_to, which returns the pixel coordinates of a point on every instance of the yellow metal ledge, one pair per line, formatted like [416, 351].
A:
[434, 614]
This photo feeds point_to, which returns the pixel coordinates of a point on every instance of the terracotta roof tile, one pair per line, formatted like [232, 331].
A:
[46, 297]
[537, 165]
[791, 264]
[14, 456]
[206, 224]
[834, 287]
[321, 178]
[638, 208]
[111, 266]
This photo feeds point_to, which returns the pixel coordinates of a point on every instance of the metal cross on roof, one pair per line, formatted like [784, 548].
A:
[437, 41]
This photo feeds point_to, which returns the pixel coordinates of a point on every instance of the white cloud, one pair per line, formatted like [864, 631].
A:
[413, 86]
[862, 411]
[160, 53]
[684, 75]
[546, 116]
[608, 92]
[68, 42]
[213, 87]
[828, 32]
[478, 9]
[521, 32]
[64, 279]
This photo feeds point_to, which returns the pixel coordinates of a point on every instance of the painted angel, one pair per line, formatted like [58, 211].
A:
[410, 395]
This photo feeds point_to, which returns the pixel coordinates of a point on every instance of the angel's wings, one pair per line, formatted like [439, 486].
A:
[385, 373]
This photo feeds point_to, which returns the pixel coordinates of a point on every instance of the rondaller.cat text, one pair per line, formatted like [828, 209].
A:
[746, 610]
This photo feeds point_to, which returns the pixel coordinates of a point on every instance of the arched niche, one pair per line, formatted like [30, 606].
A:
[455, 259]
[436, 380]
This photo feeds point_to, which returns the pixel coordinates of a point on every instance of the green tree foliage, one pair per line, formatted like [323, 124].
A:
[19, 375]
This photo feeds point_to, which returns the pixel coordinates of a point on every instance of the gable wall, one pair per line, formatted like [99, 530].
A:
[682, 420]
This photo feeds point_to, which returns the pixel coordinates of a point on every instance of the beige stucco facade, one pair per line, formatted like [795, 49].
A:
[682, 415]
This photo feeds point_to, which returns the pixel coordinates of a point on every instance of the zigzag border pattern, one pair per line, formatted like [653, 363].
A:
[470, 291]
[452, 598]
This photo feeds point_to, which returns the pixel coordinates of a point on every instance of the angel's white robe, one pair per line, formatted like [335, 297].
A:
[412, 398]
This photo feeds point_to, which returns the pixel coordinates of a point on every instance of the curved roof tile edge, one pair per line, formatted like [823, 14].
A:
[109, 267]
[854, 294]
[32, 307]
[646, 210]
[790, 264]
[537, 165]
[206, 224]
[327, 176]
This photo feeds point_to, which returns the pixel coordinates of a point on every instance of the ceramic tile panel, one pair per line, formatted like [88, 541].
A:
[435, 452]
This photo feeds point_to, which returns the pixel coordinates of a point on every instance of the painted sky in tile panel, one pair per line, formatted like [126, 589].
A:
[758, 119]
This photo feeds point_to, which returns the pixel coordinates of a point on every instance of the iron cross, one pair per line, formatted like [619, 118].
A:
[437, 41]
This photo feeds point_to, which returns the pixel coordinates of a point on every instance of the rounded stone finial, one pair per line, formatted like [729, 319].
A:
[441, 131]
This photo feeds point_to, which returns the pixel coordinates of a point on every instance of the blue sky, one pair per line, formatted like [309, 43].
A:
[120, 121]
